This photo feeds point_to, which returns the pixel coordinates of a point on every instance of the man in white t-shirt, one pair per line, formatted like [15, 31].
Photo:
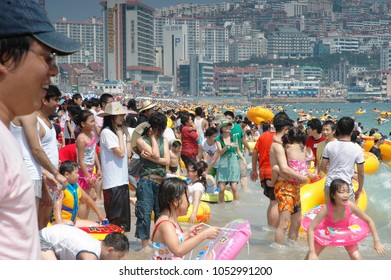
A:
[341, 156]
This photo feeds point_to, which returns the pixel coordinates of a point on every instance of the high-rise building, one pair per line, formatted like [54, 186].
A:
[129, 41]
[90, 35]
[175, 47]
[385, 58]
[214, 43]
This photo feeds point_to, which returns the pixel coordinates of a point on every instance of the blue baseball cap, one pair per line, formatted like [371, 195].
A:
[27, 17]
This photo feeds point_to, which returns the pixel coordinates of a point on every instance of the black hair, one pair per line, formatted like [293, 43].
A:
[83, 116]
[51, 92]
[104, 98]
[335, 185]
[68, 166]
[87, 103]
[118, 241]
[200, 172]
[265, 126]
[210, 132]
[108, 121]
[158, 122]
[281, 120]
[345, 126]
[14, 49]
[76, 96]
[332, 125]
[295, 135]
[198, 111]
[74, 110]
[132, 104]
[176, 144]
[229, 113]
[185, 118]
[315, 124]
[171, 190]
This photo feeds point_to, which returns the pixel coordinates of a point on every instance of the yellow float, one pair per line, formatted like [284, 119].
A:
[371, 164]
[385, 148]
[259, 114]
[214, 197]
[202, 216]
[312, 195]
[252, 145]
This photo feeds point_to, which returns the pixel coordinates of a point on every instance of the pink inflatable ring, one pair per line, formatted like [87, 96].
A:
[328, 236]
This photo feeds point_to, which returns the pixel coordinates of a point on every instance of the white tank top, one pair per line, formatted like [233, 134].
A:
[49, 143]
[210, 151]
[33, 168]
[200, 131]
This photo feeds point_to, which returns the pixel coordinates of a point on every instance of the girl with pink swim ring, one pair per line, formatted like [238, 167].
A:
[337, 215]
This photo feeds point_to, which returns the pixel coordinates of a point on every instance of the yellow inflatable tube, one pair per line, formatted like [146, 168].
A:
[202, 216]
[385, 148]
[252, 145]
[214, 197]
[312, 195]
[371, 164]
[259, 114]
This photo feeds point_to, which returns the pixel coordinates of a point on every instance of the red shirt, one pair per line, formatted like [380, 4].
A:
[313, 144]
[262, 146]
[189, 142]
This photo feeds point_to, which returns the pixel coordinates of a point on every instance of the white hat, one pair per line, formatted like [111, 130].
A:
[113, 109]
[146, 105]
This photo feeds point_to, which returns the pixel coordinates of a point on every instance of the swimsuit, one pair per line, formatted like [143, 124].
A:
[287, 196]
[298, 165]
[160, 250]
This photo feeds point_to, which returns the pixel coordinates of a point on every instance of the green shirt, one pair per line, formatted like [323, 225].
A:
[237, 134]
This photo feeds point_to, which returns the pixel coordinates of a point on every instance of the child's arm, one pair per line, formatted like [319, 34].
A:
[91, 203]
[169, 236]
[196, 202]
[57, 214]
[310, 233]
[216, 156]
[239, 152]
[98, 166]
[363, 216]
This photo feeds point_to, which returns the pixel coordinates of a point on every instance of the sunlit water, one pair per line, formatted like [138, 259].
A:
[253, 205]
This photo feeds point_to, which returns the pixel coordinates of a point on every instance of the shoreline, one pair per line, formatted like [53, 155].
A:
[260, 101]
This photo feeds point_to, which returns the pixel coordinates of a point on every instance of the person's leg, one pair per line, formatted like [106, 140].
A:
[144, 207]
[45, 207]
[283, 224]
[353, 252]
[243, 175]
[295, 226]
[48, 255]
[84, 210]
[318, 250]
[221, 192]
[235, 192]
[272, 209]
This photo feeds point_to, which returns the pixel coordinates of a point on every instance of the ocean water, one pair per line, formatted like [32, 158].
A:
[253, 205]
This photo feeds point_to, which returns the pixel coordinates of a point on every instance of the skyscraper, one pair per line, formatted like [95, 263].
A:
[129, 41]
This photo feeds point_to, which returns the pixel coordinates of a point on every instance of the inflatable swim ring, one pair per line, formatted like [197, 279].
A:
[259, 114]
[312, 195]
[357, 230]
[228, 244]
[385, 148]
[214, 197]
[202, 216]
[371, 164]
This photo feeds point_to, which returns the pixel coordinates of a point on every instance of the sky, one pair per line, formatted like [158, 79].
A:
[83, 9]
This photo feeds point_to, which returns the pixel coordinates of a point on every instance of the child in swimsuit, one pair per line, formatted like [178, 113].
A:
[175, 157]
[169, 241]
[337, 214]
[297, 155]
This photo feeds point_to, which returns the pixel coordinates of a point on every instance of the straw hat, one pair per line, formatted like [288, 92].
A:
[138, 131]
[113, 109]
[147, 104]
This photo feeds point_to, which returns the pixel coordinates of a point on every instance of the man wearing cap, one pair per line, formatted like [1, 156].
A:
[29, 45]
[145, 111]
[378, 139]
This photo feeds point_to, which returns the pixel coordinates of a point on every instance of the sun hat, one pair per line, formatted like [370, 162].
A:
[138, 131]
[27, 17]
[146, 105]
[224, 123]
[378, 136]
[302, 119]
[113, 109]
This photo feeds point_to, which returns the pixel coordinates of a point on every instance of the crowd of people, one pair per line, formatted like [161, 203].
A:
[60, 157]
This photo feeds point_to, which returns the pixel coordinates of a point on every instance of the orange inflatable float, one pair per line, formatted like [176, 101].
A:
[259, 114]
